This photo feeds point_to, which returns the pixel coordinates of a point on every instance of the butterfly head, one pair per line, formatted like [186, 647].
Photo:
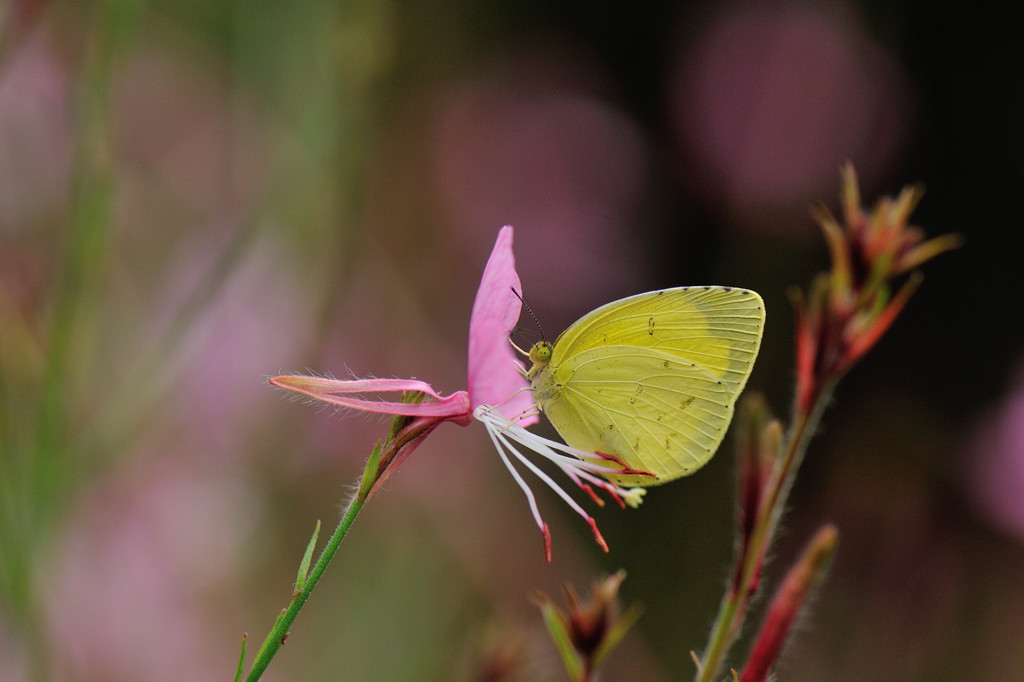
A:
[540, 356]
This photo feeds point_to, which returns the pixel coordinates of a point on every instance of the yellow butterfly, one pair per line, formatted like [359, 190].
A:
[651, 380]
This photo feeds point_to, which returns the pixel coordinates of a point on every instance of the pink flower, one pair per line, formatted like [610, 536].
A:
[498, 396]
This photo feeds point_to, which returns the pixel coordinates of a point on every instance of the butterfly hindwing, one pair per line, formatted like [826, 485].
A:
[656, 412]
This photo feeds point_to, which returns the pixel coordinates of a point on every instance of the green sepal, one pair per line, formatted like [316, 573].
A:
[616, 632]
[270, 634]
[370, 473]
[300, 581]
[241, 659]
[555, 623]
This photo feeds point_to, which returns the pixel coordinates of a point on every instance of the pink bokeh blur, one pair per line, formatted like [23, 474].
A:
[35, 134]
[533, 143]
[768, 99]
[994, 461]
[143, 571]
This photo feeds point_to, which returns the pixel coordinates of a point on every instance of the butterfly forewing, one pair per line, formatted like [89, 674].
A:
[717, 328]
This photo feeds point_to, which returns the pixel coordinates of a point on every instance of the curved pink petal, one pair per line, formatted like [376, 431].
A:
[494, 370]
[336, 392]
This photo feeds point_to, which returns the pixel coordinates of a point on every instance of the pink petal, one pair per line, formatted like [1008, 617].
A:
[494, 377]
[335, 391]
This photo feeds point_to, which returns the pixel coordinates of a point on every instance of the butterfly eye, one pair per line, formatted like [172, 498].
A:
[540, 354]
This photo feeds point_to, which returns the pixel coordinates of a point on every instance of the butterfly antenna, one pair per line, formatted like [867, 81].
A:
[529, 310]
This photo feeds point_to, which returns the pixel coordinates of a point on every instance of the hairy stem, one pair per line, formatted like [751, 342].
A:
[734, 603]
[280, 631]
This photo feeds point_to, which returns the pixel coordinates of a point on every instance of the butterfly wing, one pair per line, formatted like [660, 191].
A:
[717, 328]
[652, 410]
[653, 378]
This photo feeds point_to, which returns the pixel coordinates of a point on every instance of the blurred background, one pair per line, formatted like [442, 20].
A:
[197, 195]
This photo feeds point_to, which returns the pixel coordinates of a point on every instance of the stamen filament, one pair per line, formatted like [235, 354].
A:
[507, 436]
[539, 473]
[572, 464]
[519, 479]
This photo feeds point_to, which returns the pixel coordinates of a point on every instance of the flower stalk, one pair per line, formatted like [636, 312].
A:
[845, 313]
[403, 435]
[789, 602]
[279, 633]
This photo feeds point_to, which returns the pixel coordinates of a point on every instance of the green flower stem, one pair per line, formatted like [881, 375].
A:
[280, 631]
[405, 432]
[734, 604]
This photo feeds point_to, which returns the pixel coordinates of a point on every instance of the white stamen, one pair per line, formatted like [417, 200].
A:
[515, 474]
[573, 463]
[503, 437]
